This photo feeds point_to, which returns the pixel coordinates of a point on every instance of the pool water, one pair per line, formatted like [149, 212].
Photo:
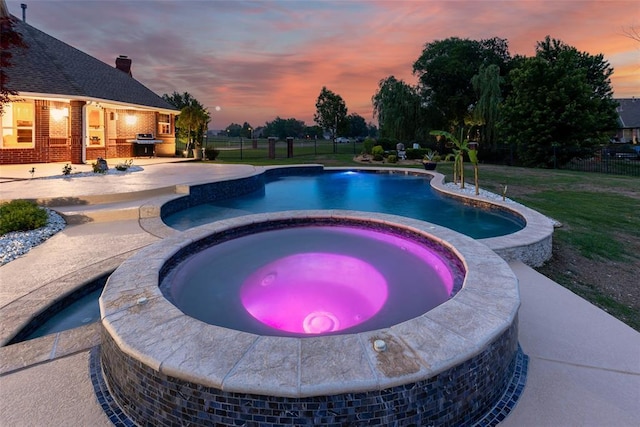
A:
[83, 311]
[398, 194]
[306, 280]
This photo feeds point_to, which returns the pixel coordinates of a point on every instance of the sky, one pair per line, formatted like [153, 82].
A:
[253, 61]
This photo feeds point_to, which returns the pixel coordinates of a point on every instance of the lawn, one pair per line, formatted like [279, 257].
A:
[596, 251]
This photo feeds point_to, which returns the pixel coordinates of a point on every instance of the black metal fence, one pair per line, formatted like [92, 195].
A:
[239, 149]
[607, 161]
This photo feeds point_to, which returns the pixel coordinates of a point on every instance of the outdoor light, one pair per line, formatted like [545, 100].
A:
[59, 113]
[130, 119]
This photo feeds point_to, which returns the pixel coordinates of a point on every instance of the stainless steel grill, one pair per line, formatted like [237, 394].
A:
[146, 138]
[144, 145]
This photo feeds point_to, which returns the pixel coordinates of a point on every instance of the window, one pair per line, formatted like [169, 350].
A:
[95, 116]
[59, 121]
[164, 124]
[17, 125]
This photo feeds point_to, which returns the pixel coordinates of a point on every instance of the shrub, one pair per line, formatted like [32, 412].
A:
[368, 145]
[124, 166]
[211, 153]
[66, 169]
[378, 150]
[100, 165]
[415, 153]
[387, 144]
[21, 215]
[392, 158]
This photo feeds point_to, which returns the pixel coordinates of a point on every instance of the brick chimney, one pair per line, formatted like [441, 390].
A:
[123, 63]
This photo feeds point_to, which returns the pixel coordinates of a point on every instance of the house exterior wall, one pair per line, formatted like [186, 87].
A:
[61, 139]
[39, 151]
[628, 135]
[75, 115]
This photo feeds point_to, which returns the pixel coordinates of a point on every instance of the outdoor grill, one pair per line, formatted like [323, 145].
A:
[144, 145]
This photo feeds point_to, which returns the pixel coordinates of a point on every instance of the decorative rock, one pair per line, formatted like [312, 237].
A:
[17, 243]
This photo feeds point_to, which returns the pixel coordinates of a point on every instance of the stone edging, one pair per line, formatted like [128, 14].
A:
[485, 307]
[532, 245]
[473, 334]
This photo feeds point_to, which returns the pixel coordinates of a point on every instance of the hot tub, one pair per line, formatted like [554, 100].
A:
[448, 365]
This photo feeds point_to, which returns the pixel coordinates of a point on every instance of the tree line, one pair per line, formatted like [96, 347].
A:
[534, 111]
[541, 110]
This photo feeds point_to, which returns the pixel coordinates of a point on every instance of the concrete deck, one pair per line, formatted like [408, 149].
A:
[584, 367]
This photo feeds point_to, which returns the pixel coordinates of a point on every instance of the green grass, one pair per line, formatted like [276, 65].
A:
[592, 217]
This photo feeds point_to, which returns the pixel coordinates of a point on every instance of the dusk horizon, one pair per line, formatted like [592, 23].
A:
[258, 60]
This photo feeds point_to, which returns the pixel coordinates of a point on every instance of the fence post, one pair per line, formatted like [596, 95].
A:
[272, 147]
[289, 147]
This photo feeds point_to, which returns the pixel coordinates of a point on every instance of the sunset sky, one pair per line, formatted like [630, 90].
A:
[257, 60]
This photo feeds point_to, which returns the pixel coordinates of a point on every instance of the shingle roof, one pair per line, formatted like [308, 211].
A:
[629, 112]
[50, 66]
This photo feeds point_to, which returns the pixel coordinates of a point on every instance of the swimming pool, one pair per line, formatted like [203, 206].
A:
[531, 244]
[390, 193]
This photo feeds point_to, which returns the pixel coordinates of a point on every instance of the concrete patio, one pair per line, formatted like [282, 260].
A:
[584, 366]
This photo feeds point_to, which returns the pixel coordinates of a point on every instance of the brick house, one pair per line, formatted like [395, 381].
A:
[628, 120]
[72, 107]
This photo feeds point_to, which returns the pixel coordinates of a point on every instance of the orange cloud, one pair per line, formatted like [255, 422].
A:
[259, 60]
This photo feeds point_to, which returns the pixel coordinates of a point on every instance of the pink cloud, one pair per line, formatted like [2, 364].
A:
[259, 60]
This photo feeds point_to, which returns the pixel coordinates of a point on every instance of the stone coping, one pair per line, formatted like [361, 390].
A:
[531, 245]
[147, 327]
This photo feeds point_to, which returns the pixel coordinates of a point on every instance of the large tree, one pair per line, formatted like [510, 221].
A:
[192, 123]
[194, 118]
[357, 126]
[331, 113]
[445, 69]
[560, 105]
[181, 100]
[399, 109]
[486, 111]
[234, 130]
[282, 128]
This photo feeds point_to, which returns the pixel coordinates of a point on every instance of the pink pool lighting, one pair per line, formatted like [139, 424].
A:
[312, 279]
[314, 293]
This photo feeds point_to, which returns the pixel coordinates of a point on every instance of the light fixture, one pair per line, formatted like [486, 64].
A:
[130, 119]
[59, 113]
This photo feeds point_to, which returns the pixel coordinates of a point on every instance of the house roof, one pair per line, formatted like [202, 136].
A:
[629, 112]
[50, 66]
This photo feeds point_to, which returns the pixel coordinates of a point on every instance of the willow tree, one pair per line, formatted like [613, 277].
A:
[445, 69]
[486, 112]
[398, 107]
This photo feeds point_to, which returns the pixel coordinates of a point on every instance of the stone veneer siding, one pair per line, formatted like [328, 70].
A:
[461, 395]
